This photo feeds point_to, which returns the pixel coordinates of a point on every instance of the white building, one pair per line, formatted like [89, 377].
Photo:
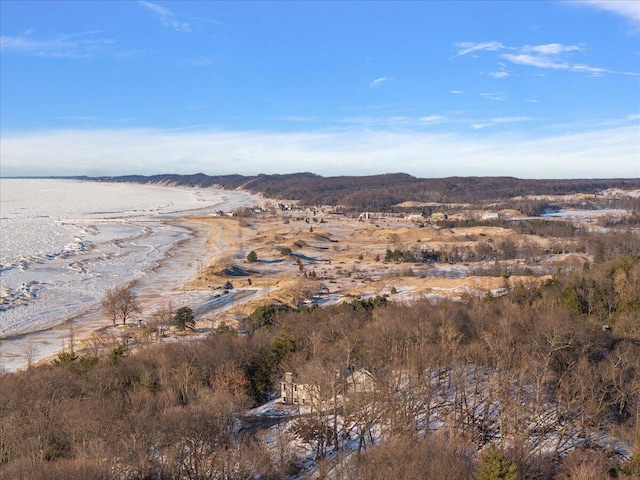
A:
[293, 393]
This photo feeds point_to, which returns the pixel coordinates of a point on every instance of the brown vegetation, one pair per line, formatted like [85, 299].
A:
[526, 362]
[527, 372]
[383, 191]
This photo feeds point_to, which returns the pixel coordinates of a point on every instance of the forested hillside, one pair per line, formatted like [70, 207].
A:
[383, 191]
[535, 374]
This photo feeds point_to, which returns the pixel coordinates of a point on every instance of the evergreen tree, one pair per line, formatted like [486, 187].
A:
[495, 466]
[184, 318]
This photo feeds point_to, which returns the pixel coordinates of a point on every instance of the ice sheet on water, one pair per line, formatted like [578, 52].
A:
[63, 243]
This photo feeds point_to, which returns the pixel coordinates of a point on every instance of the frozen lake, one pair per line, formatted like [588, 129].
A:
[63, 243]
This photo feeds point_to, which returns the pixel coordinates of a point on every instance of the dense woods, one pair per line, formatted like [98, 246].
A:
[542, 382]
[380, 192]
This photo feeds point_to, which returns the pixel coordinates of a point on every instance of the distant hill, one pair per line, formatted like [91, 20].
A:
[383, 191]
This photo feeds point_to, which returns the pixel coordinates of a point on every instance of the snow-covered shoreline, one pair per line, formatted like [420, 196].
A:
[147, 243]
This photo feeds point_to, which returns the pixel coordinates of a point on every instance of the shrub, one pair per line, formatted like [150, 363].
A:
[64, 358]
[495, 466]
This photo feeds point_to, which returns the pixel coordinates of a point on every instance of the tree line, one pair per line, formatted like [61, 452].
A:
[565, 239]
[381, 192]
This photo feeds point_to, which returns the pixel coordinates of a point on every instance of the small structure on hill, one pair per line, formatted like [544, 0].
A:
[415, 217]
[293, 393]
[353, 381]
[360, 381]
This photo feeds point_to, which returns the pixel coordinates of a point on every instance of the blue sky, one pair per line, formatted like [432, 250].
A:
[540, 89]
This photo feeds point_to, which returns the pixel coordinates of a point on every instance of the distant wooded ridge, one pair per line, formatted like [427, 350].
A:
[383, 191]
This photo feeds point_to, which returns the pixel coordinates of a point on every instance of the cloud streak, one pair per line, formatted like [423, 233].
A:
[340, 152]
[166, 17]
[378, 82]
[555, 56]
[78, 45]
[393, 121]
[499, 121]
[628, 9]
[546, 61]
[498, 97]
[550, 49]
[465, 48]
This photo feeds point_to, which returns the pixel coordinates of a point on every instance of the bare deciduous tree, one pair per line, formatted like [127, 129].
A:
[120, 303]
[30, 352]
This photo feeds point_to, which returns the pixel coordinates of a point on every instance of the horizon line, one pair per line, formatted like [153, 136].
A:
[120, 176]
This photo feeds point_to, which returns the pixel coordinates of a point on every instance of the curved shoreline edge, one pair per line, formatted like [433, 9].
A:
[167, 275]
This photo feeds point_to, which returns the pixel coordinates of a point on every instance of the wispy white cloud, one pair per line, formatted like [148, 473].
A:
[456, 92]
[540, 61]
[210, 21]
[620, 121]
[465, 48]
[378, 82]
[554, 56]
[500, 74]
[499, 97]
[629, 9]
[500, 120]
[595, 70]
[166, 17]
[550, 49]
[339, 152]
[431, 119]
[545, 61]
[511, 119]
[85, 44]
[393, 121]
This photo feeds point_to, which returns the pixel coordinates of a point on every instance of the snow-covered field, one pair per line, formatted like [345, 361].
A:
[585, 214]
[63, 243]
